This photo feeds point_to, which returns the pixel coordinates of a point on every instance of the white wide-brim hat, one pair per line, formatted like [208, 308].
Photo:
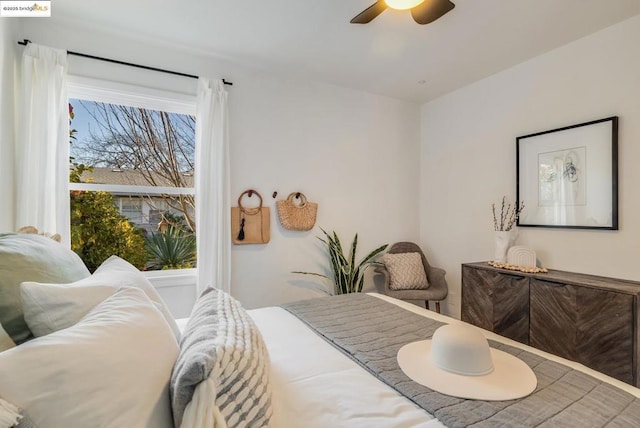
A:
[457, 361]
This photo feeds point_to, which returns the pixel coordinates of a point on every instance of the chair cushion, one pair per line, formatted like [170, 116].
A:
[406, 271]
[30, 257]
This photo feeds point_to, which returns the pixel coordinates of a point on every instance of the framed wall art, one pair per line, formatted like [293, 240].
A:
[568, 177]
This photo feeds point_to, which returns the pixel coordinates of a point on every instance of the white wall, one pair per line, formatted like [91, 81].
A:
[8, 44]
[355, 154]
[468, 155]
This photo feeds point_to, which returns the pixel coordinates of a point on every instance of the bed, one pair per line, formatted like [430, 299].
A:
[316, 384]
[107, 353]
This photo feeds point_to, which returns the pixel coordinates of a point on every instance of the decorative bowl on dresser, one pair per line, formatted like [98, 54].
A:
[585, 318]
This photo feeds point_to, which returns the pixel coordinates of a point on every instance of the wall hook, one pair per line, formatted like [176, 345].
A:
[274, 194]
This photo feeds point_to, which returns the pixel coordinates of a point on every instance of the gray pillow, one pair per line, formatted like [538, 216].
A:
[222, 346]
[31, 257]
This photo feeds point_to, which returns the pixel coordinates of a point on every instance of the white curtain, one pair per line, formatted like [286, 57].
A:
[42, 151]
[213, 207]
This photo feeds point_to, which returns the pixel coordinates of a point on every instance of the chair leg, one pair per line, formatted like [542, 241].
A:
[426, 304]
[438, 307]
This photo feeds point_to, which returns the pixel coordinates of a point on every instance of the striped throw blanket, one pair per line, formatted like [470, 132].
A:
[221, 377]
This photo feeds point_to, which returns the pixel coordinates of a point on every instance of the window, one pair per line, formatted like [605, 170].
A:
[131, 207]
[131, 178]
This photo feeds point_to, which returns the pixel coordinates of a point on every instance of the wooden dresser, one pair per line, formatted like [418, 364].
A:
[589, 319]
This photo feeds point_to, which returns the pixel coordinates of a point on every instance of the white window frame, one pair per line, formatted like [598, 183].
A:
[84, 88]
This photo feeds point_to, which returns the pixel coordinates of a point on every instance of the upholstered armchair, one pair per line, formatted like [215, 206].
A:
[437, 289]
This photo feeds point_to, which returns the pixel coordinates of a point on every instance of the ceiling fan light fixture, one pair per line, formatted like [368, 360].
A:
[403, 4]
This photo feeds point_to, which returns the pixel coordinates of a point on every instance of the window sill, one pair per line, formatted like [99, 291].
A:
[172, 278]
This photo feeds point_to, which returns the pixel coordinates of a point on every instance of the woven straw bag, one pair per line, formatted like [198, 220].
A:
[250, 225]
[297, 217]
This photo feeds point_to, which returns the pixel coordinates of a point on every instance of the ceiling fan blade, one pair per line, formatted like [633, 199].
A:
[369, 13]
[431, 10]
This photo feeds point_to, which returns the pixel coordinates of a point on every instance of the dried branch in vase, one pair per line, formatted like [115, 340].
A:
[508, 215]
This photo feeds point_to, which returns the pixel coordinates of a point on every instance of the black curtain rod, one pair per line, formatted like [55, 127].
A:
[130, 64]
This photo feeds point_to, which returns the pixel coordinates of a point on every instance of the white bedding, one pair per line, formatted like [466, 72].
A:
[315, 385]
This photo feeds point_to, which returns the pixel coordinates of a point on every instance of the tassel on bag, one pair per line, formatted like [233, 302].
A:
[241, 233]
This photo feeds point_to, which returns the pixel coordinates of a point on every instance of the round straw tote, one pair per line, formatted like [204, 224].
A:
[297, 217]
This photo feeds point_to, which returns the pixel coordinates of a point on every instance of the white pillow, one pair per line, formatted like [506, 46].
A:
[52, 307]
[111, 369]
[406, 271]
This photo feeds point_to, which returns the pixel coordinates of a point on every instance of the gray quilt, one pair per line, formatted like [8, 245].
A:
[371, 331]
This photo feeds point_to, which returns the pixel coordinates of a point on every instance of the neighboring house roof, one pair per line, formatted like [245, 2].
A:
[130, 177]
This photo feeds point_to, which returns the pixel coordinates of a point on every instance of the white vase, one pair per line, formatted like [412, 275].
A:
[504, 240]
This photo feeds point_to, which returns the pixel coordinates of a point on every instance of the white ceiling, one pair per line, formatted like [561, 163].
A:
[392, 55]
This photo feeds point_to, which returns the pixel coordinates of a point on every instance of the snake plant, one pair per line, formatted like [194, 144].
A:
[348, 277]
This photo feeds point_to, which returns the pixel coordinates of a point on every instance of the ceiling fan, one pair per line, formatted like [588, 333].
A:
[423, 11]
